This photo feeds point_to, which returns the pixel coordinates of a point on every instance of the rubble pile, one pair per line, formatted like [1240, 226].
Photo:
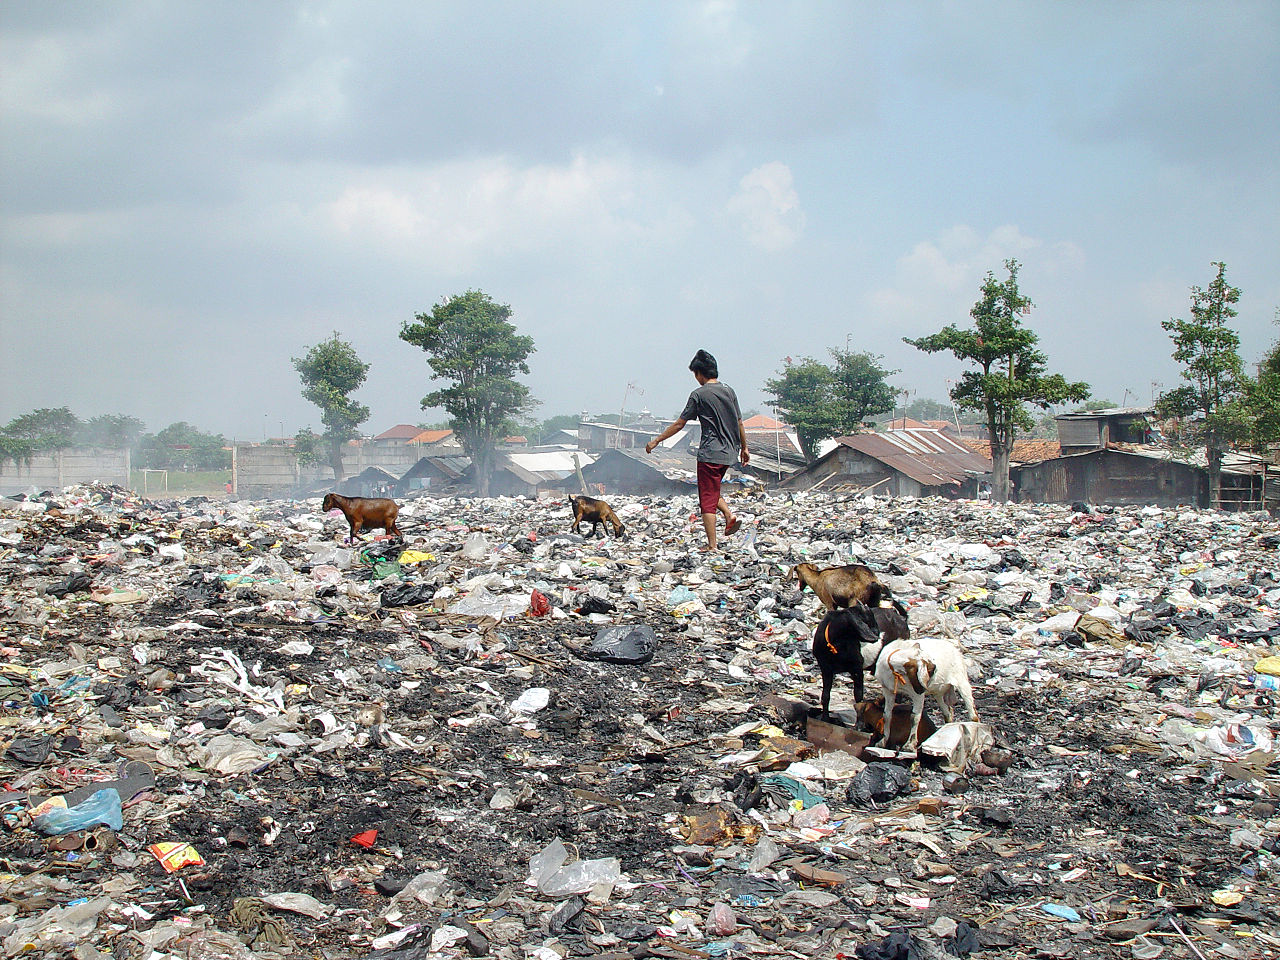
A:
[226, 733]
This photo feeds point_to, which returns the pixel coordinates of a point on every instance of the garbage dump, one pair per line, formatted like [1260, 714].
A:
[225, 732]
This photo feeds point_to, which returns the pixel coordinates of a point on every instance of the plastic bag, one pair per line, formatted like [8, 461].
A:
[957, 743]
[103, 807]
[482, 603]
[879, 782]
[476, 547]
[628, 644]
[679, 596]
[558, 880]
[407, 594]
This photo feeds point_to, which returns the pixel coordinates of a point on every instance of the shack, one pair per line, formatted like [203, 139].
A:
[664, 472]
[370, 482]
[432, 475]
[1095, 429]
[914, 462]
[529, 474]
[1132, 475]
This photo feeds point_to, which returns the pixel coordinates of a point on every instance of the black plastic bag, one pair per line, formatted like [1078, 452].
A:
[625, 643]
[76, 583]
[407, 594]
[879, 782]
[596, 605]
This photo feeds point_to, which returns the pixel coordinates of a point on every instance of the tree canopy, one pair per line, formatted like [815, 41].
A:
[180, 446]
[111, 431]
[822, 402]
[1220, 405]
[548, 428]
[46, 429]
[1263, 400]
[1009, 371]
[471, 343]
[330, 372]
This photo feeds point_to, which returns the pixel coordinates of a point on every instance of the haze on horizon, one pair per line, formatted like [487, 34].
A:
[192, 194]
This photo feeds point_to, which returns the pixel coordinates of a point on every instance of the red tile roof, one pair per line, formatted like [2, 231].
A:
[431, 436]
[401, 431]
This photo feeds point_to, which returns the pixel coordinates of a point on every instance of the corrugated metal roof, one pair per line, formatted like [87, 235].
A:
[555, 460]
[1108, 412]
[927, 456]
[546, 467]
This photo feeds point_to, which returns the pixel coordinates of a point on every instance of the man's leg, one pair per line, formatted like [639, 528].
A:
[709, 498]
[709, 525]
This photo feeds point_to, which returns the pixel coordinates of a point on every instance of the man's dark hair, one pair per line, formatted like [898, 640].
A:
[705, 364]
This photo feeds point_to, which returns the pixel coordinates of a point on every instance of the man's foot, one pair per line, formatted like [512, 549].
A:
[732, 526]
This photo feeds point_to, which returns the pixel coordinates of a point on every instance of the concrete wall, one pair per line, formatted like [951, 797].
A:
[263, 472]
[67, 467]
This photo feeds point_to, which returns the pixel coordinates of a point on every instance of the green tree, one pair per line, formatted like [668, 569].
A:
[1211, 401]
[180, 446]
[17, 450]
[112, 431]
[799, 395]
[308, 447]
[470, 341]
[45, 430]
[330, 372]
[1010, 370]
[822, 402]
[552, 425]
[1264, 399]
[859, 390]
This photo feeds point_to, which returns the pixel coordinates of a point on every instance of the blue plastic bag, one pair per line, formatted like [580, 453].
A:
[103, 807]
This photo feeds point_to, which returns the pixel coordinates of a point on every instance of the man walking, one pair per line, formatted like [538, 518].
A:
[724, 441]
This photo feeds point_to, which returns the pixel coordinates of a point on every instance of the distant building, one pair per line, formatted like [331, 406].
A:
[1096, 429]
[911, 462]
[398, 436]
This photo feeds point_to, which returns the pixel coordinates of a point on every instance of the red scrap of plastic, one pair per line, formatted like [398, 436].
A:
[366, 839]
[539, 605]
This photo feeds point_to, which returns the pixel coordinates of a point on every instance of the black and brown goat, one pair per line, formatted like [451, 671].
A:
[595, 512]
[364, 512]
[838, 647]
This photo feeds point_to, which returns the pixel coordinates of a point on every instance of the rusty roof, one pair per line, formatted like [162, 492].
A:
[927, 456]
[1025, 449]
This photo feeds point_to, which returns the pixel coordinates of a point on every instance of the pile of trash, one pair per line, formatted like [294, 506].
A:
[225, 732]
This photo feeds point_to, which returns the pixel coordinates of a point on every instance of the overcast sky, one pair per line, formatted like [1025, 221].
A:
[193, 193]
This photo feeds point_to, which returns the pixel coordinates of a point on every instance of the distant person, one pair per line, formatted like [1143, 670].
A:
[724, 440]
[228, 488]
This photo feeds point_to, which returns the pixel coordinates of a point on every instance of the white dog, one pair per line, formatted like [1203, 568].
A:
[924, 666]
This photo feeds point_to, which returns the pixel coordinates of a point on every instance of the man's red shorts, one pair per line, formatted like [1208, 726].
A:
[710, 476]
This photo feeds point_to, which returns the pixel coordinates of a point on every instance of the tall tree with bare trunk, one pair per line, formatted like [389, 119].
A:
[1009, 370]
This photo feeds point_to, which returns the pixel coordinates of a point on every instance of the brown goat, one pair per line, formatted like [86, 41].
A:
[841, 586]
[364, 512]
[595, 512]
[871, 716]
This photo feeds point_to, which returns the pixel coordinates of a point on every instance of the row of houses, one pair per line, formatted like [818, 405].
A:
[1107, 456]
